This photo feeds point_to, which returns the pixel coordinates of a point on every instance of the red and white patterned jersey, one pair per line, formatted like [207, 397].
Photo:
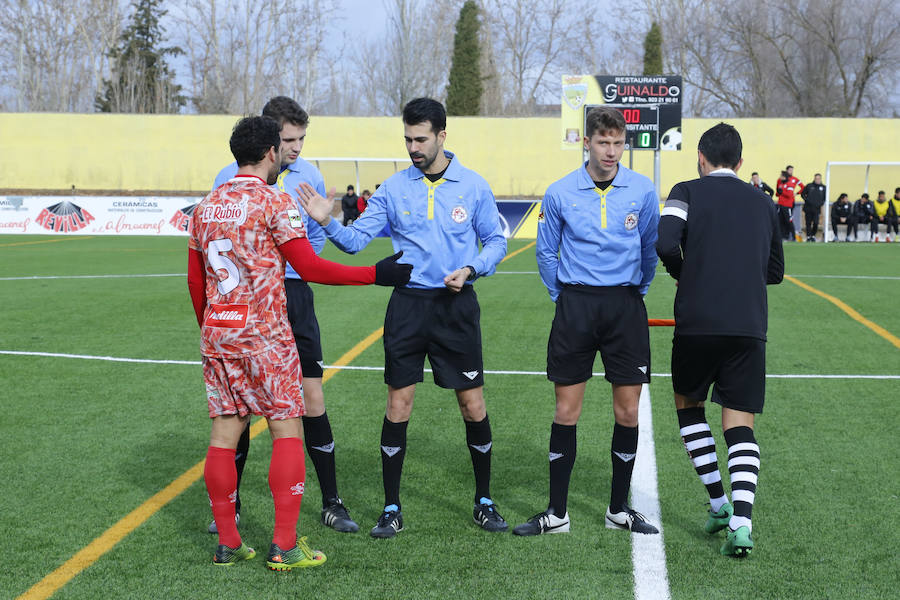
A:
[238, 228]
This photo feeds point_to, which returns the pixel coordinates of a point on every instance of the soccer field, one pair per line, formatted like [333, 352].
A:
[87, 440]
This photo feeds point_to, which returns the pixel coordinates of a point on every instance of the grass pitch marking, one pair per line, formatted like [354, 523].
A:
[648, 552]
[62, 239]
[851, 312]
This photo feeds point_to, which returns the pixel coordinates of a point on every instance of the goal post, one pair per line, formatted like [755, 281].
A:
[374, 170]
[879, 179]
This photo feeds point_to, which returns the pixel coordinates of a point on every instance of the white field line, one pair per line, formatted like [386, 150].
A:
[885, 277]
[156, 361]
[648, 553]
[132, 276]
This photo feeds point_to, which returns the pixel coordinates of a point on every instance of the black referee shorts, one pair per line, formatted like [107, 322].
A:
[301, 313]
[440, 324]
[735, 366]
[611, 320]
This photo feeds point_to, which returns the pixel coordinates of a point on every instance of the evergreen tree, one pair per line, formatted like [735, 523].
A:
[653, 62]
[141, 80]
[465, 87]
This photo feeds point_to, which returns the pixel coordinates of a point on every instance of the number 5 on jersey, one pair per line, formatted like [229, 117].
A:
[214, 253]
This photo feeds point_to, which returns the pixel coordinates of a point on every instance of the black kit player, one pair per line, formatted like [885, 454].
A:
[720, 239]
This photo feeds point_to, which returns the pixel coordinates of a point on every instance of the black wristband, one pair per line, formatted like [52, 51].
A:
[473, 274]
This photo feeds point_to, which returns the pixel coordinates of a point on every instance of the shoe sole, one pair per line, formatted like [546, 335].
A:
[303, 564]
[492, 529]
[385, 534]
[527, 533]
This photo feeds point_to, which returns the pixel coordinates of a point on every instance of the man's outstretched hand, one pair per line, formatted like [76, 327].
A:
[318, 208]
[391, 273]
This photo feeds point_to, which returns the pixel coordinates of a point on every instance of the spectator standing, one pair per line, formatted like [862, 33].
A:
[814, 196]
[349, 206]
[785, 204]
[761, 185]
[363, 202]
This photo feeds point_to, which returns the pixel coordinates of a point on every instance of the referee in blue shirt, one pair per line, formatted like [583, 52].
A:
[301, 314]
[438, 212]
[595, 251]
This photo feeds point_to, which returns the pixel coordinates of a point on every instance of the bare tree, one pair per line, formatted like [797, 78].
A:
[533, 40]
[783, 57]
[53, 54]
[411, 58]
[242, 52]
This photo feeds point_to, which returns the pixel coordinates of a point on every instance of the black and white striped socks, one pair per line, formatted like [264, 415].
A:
[701, 448]
[743, 465]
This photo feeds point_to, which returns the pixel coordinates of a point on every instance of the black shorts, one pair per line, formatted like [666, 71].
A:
[438, 323]
[301, 313]
[736, 365]
[611, 320]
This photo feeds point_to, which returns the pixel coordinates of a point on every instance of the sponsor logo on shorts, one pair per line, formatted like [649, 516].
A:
[471, 374]
[643, 369]
[631, 221]
[459, 214]
[297, 489]
[232, 316]
[229, 212]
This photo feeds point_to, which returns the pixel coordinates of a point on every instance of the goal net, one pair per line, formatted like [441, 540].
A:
[855, 178]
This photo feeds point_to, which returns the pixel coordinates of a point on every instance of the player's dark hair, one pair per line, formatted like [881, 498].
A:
[753, 173]
[866, 196]
[789, 167]
[841, 197]
[282, 108]
[603, 119]
[880, 192]
[350, 187]
[817, 175]
[425, 109]
[252, 137]
[897, 190]
[784, 175]
[721, 145]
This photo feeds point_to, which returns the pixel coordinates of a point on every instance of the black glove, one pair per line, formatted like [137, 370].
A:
[391, 273]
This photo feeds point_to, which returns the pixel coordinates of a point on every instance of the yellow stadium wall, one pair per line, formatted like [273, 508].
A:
[519, 157]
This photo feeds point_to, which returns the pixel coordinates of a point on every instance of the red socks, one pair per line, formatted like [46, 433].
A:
[220, 475]
[287, 476]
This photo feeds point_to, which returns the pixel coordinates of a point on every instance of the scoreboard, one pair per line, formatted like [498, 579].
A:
[641, 124]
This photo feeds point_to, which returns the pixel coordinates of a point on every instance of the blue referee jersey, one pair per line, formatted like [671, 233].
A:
[598, 237]
[288, 181]
[437, 225]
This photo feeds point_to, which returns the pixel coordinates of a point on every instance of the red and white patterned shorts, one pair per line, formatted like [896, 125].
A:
[267, 384]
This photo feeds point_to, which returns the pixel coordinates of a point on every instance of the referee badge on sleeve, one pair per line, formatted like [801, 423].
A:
[631, 221]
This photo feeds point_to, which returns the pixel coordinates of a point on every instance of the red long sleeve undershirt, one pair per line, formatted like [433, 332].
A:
[302, 257]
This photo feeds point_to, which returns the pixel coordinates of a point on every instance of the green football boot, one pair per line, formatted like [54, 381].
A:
[738, 543]
[225, 556]
[300, 556]
[718, 521]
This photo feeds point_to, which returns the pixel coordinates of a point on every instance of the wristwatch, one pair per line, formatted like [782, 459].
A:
[472, 273]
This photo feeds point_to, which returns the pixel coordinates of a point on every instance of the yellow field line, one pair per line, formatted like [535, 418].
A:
[851, 312]
[92, 552]
[112, 536]
[519, 251]
[65, 239]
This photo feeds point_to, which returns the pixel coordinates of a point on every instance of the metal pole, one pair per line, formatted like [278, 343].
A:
[867, 178]
[827, 202]
[356, 164]
[630, 158]
[656, 173]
